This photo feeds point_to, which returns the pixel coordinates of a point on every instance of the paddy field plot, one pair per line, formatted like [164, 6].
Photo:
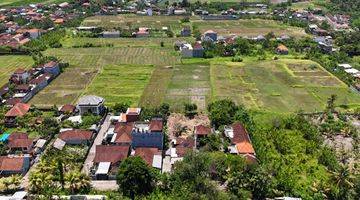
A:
[248, 27]
[135, 21]
[8, 64]
[70, 42]
[285, 85]
[241, 27]
[188, 82]
[86, 63]
[121, 83]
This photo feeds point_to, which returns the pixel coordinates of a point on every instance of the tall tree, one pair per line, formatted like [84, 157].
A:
[135, 177]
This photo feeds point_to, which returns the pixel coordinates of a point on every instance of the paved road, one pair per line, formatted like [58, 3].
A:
[90, 157]
[25, 179]
[104, 185]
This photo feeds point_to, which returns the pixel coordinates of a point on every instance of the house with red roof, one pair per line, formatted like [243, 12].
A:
[52, 67]
[108, 158]
[19, 76]
[111, 153]
[18, 141]
[10, 165]
[132, 114]
[122, 133]
[67, 109]
[76, 136]
[152, 156]
[282, 49]
[18, 110]
[201, 131]
[156, 125]
[240, 142]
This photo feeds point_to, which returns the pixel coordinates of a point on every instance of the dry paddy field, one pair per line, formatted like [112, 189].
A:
[8, 64]
[242, 27]
[124, 21]
[246, 27]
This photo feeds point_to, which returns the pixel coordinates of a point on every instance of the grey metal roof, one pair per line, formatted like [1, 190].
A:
[90, 100]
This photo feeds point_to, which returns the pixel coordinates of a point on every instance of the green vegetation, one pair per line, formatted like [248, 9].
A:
[135, 177]
[121, 83]
[272, 85]
[59, 171]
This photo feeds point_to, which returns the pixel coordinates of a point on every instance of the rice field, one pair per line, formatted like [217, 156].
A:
[248, 27]
[135, 21]
[86, 63]
[8, 64]
[70, 42]
[241, 27]
[121, 83]
[283, 86]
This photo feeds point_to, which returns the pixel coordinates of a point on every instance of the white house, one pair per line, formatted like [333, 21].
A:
[91, 104]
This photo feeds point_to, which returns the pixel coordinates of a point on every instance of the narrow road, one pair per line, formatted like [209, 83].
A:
[90, 157]
[105, 185]
[25, 180]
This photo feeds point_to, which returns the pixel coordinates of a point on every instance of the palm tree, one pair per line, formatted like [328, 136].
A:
[40, 181]
[77, 181]
[344, 179]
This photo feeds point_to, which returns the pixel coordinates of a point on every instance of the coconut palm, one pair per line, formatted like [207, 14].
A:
[344, 179]
[40, 181]
[77, 181]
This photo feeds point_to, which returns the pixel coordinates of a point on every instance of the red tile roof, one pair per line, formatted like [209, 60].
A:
[121, 128]
[22, 87]
[50, 64]
[38, 80]
[184, 145]
[11, 163]
[20, 143]
[17, 135]
[13, 101]
[156, 125]
[147, 154]
[202, 130]
[123, 131]
[242, 140]
[19, 71]
[76, 134]
[68, 108]
[282, 47]
[113, 154]
[19, 110]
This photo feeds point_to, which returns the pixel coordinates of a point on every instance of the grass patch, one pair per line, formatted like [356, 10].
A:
[121, 83]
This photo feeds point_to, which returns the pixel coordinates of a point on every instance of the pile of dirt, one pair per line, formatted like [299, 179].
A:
[179, 125]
